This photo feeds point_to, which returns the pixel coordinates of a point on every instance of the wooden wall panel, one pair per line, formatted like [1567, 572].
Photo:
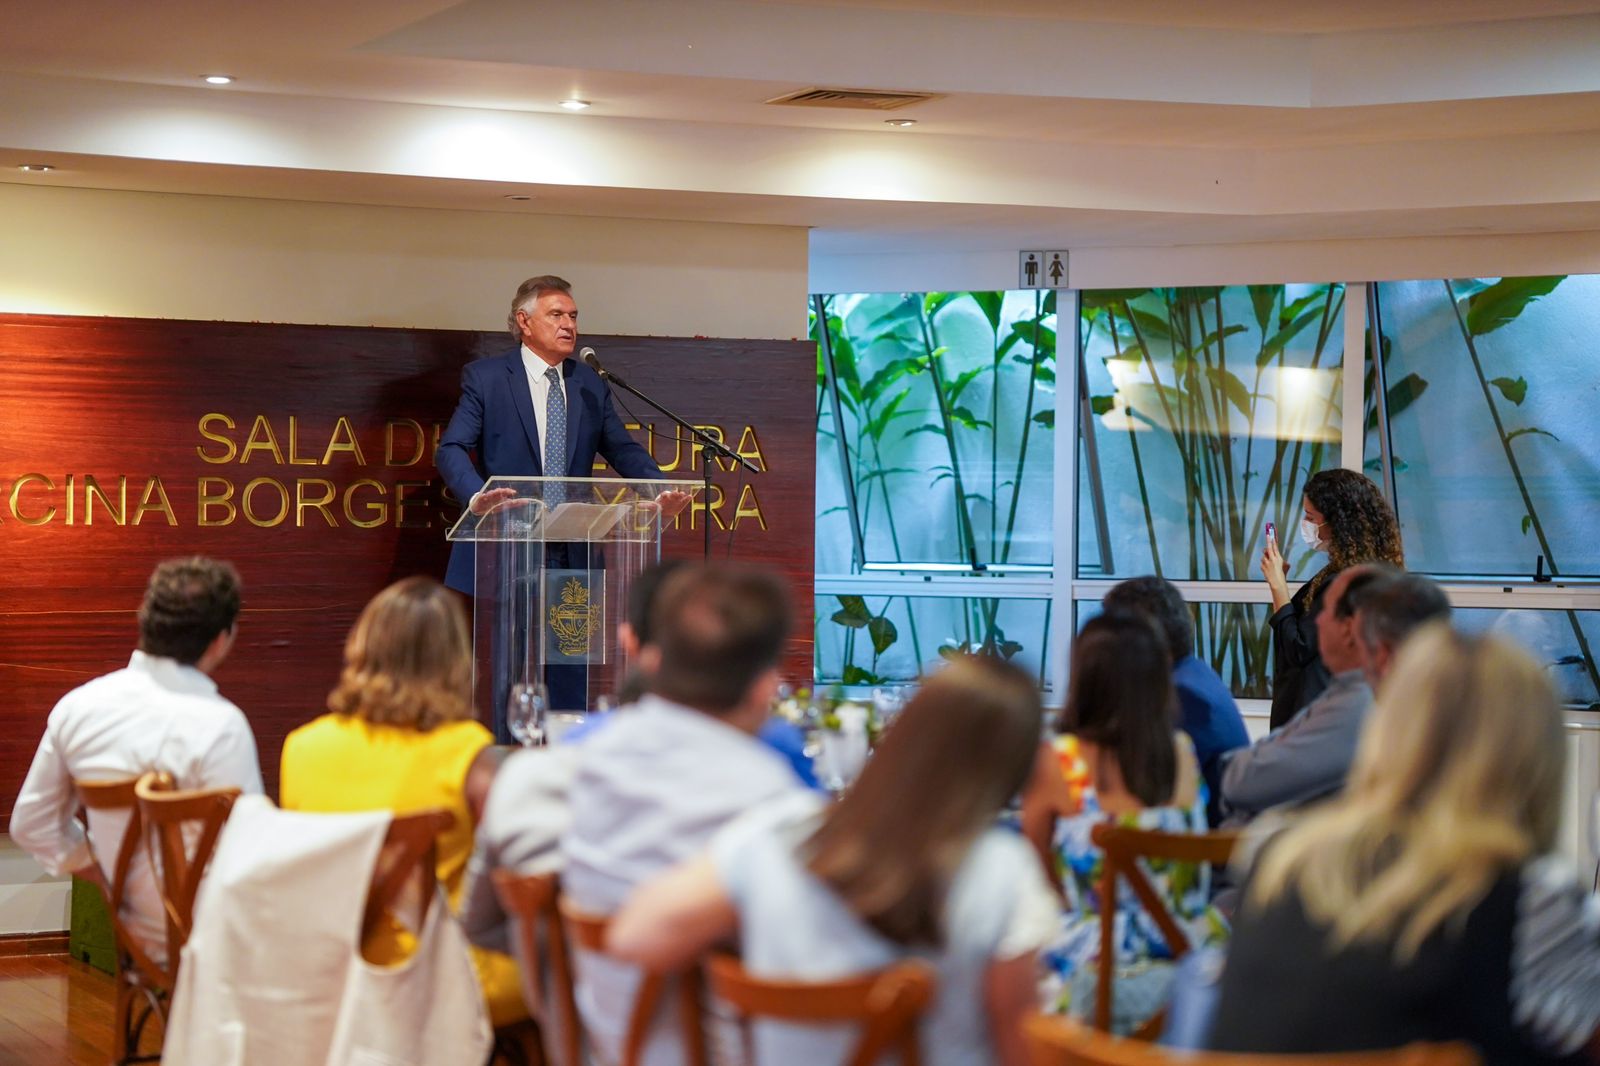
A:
[299, 414]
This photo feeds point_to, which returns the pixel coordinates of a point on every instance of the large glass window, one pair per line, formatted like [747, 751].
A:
[935, 414]
[1205, 410]
[1492, 385]
[874, 640]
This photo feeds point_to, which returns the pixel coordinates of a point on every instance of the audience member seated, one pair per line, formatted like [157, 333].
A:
[161, 712]
[908, 864]
[1309, 758]
[1122, 760]
[400, 738]
[1206, 710]
[1426, 902]
[652, 787]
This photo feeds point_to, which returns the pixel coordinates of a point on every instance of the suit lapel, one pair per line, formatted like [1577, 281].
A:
[522, 400]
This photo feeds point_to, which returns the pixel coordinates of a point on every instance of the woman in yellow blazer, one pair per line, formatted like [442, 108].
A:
[401, 737]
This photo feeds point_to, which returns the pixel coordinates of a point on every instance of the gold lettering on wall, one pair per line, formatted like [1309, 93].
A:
[155, 499]
[261, 439]
[378, 508]
[319, 504]
[92, 491]
[750, 448]
[16, 498]
[400, 502]
[294, 445]
[748, 508]
[207, 499]
[419, 441]
[200, 449]
[249, 494]
[349, 445]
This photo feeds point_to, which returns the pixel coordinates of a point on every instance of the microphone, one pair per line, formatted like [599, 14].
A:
[593, 363]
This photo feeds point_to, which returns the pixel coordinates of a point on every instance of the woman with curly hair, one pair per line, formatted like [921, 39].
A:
[1346, 516]
[400, 736]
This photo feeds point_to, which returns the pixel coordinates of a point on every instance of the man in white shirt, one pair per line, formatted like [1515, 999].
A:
[650, 789]
[161, 712]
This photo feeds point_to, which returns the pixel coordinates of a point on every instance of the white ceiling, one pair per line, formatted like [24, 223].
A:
[1145, 122]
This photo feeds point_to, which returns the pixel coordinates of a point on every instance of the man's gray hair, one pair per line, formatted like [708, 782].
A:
[1391, 610]
[528, 292]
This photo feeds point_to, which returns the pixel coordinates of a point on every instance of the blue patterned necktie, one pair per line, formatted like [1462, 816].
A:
[555, 436]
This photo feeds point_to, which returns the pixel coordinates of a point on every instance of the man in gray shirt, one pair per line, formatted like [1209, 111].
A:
[1367, 614]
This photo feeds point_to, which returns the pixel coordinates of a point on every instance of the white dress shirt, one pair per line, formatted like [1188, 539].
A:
[539, 386]
[157, 714]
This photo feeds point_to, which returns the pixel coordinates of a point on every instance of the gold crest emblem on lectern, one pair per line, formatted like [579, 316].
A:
[574, 620]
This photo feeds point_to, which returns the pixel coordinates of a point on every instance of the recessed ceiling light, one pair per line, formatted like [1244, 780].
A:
[575, 104]
[901, 122]
[518, 196]
[219, 79]
[36, 168]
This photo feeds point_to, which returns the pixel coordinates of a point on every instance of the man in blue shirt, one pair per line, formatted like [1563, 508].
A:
[1206, 708]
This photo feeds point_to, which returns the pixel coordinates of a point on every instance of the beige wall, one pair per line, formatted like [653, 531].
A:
[159, 255]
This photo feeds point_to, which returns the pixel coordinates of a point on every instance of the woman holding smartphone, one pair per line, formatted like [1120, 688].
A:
[1346, 516]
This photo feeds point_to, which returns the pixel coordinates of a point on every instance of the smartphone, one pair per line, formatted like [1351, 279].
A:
[1272, 532]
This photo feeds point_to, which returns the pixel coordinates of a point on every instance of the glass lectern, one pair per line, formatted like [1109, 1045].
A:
[553, 563]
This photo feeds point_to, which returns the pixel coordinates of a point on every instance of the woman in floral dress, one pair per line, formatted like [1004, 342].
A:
[1120, 759]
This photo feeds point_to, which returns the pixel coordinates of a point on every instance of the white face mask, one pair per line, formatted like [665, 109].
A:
[1309, 535]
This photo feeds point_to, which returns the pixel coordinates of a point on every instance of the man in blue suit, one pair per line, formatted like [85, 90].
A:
[534, 412]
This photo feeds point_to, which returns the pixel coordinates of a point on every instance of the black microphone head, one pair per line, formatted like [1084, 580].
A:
[589, 360]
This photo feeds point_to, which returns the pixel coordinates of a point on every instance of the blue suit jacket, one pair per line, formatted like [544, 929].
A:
[494, 419]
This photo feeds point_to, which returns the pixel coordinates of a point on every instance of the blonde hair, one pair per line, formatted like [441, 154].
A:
[408, 660]
[1457, 778]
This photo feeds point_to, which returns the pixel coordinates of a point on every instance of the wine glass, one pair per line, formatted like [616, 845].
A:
[525, 713]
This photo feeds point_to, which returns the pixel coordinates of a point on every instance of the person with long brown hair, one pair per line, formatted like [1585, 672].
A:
[909, 863]
[1121, 759]
[1346, 516]
[1426, 903]
[400, 736]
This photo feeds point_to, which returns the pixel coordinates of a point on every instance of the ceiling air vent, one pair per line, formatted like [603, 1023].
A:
[858, 99]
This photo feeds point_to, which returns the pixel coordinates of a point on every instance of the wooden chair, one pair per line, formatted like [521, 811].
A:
[534, 901]
[1122, 848]
[407, 868]
[588, 931]
[886, 1004]
[181, 830]
[143, 988]
[1063, 1042]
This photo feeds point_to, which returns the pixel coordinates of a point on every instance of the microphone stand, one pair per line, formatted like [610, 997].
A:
[709, 445]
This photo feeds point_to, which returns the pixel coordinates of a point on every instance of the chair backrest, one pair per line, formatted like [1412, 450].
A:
[119, 795]
[588, 931]
[887, 1004]
[534, 901]
[181, 830]
[408, 859]
[1122, 847]
[1062, 1042]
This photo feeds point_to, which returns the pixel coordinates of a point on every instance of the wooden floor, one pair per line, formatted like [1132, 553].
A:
[54, 1009]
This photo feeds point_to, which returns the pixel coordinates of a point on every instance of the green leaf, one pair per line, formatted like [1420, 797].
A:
[952, 651]
[964, 416]
[1046, 342]
[933, 427]
[831, 510]
[967, 377]
[891, 372]
[934, 301]
[1009, 649]
[1292, 310]
[1215, 335]
[1527, 524]
[989, 303]
[884, 474]
[1465, 287]
[887, 414]
[1231, 387]
[1503, 301]
[1094, 299]
[1262, 299]
[1514, 390]
[903, 313]
[853, 608]
[1280, 340]
[1151, 326]
[1514, 434]
[855, 675]
[883, 634]
[1047, 419]
[1098, 404]
[1401, 395]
